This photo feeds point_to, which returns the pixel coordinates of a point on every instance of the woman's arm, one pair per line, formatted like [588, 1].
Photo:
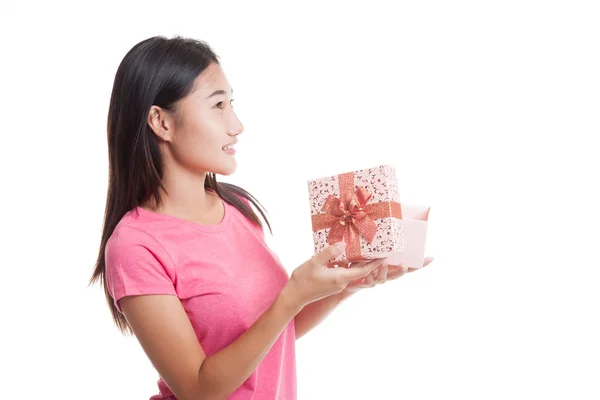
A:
[165, 332]
[314, 313]
[166, 335]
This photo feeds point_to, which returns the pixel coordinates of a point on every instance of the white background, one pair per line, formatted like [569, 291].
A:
[488, 110]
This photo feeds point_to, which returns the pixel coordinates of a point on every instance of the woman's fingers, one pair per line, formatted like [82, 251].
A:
[359, 271]
[370, 280]
[396, 271]
[377, 276]
[426, 262]
[381, 275]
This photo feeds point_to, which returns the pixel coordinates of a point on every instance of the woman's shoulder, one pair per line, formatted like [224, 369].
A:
[131, 248]
[130, 231]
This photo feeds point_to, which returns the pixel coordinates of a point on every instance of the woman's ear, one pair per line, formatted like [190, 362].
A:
[161, 122]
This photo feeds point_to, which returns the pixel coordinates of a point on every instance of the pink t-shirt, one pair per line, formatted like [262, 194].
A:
[225, 276]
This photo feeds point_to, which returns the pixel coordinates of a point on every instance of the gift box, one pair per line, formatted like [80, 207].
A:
[361, 208]
[414, 227]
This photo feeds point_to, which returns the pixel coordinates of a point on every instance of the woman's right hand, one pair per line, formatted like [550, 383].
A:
[314, 280]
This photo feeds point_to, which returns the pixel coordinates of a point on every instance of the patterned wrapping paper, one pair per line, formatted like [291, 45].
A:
[363, 209]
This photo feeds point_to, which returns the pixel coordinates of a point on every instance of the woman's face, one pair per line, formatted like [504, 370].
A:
[204, 125]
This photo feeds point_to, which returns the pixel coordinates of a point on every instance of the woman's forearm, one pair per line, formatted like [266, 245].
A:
[224, 371]
[314, 313]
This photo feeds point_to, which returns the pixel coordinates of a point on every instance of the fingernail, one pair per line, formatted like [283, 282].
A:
[340, 245]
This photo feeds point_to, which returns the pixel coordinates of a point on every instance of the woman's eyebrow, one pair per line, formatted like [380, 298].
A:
[217, 92]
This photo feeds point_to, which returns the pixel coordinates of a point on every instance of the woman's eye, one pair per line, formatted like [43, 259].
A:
[220, 104]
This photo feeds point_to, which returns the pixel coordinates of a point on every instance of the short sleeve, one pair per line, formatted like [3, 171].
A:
[136, 264]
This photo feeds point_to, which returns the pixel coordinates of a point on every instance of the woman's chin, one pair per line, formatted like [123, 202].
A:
[225, 170]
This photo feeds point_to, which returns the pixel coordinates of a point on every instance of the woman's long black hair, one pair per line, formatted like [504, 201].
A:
[157, 71]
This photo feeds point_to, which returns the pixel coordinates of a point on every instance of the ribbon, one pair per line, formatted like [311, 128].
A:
[351, 216]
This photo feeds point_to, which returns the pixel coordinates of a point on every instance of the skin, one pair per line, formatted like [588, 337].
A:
[191, 142]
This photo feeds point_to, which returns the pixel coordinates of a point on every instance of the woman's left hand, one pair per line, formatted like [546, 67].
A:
[380, 275]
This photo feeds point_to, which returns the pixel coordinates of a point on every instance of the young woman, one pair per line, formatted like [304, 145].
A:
[183, 259]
